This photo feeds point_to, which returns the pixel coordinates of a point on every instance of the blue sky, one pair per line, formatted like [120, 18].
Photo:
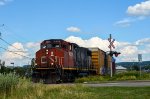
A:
[35, 20]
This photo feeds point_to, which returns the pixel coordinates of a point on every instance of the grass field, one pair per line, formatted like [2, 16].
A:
[25, 89]
[28, 90]
[133, 75]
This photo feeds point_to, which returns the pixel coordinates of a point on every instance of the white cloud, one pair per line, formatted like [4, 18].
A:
[33, 47]
[128, 21]
[15, 53]
[92, 42]
[32, 44]
[128, 50]
[143, 41]
[141, 9]
[138, 12]
[73, 29]
[3, 2]
[124, 23]
[19, 53]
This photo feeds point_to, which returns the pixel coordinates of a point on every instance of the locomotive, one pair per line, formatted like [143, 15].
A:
[61, 61]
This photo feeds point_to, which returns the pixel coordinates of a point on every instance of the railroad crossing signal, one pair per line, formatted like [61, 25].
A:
[111, 45]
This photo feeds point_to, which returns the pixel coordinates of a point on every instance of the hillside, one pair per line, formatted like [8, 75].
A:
[127, 64]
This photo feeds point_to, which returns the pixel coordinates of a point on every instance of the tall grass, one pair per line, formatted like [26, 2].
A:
[132, 75]
[22, 88]
[8, 82]
[28, 90]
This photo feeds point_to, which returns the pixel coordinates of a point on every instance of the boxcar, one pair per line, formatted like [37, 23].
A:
[100, 60]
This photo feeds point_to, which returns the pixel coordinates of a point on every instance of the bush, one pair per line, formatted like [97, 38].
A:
[133, 75]
[127, 78]
[8, 82]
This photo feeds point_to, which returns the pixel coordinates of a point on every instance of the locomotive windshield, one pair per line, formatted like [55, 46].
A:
[54, 45]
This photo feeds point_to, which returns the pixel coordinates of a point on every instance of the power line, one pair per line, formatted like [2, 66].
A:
[15, 53]
[15, 35]
[11, 44]
[19, 50]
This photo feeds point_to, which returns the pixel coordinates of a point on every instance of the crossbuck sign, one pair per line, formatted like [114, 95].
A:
[111, 45]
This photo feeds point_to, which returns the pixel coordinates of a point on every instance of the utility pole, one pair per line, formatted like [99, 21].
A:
[111, 53]
[140, 60]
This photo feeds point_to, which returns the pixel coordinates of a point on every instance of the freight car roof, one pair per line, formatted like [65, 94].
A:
[95, 49]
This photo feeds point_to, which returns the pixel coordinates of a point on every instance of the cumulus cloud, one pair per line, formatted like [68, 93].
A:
[19, 53]
[15, 53]
[3, 2]
[33, 46]
[92, 42]
[124, 23]
[138, 12]
[128, 50]
[143, 41]
[128, 21]
[14, 48]
[73, 29]
[141, 9]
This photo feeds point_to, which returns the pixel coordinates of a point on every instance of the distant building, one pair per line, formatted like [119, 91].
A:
[120, 69]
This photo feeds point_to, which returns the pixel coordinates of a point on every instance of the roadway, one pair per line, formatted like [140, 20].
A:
[120, 84]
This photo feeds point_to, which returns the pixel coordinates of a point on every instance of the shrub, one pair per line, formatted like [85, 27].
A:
[127, 78]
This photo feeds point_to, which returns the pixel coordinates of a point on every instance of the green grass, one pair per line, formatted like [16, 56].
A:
[8, 82]
[40, 91]
[117, 77]
[25, 89]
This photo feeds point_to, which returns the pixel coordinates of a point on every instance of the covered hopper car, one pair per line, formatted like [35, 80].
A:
[62, 61]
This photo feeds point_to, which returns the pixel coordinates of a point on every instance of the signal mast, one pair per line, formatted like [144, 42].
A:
[111, 53]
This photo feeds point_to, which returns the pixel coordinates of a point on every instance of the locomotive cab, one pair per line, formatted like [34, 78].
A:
[52, 53]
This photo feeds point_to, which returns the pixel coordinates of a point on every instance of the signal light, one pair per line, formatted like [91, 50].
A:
[117, 53]
[114, 53]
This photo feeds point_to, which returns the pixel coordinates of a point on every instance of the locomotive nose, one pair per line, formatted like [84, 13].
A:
[52, 58]
[51, 53]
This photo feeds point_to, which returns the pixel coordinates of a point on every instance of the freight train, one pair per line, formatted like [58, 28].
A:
[61, 61]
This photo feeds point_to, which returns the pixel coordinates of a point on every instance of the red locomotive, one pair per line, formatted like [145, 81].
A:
[58, 60]
[61, 61]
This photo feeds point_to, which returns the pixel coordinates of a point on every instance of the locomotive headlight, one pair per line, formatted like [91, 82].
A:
[47, 52]
[52, 63]
[52, 53]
